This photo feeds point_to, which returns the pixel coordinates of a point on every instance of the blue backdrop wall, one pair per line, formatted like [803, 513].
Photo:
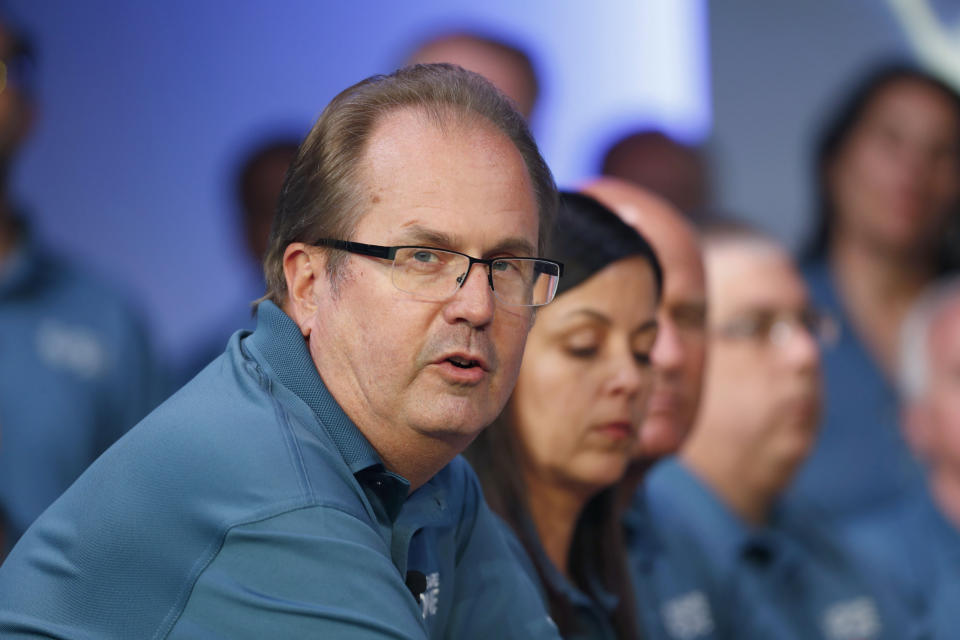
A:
[144, 107]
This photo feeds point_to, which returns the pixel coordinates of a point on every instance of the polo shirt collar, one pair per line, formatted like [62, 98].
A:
[673, 486]
[279, 341]
[641, 537]
[598, 596]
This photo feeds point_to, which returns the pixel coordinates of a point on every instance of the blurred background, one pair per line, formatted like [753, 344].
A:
[146, 108]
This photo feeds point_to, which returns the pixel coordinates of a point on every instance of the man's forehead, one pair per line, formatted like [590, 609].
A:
[463, 181]
[753, 276]
[421, 232]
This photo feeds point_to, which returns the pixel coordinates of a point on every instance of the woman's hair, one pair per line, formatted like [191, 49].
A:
[587, 238]
[836, 132]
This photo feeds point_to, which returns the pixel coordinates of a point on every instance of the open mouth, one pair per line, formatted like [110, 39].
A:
[462, 363]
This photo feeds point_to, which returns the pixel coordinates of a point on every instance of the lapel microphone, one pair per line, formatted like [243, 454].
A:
[417, 583]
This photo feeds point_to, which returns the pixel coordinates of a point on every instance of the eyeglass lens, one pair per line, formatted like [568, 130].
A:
[436, 274]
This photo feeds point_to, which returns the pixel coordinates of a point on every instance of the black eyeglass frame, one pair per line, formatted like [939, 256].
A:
[389, 253]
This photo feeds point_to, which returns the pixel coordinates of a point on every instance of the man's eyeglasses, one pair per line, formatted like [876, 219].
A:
[435, 274]
[777, 327]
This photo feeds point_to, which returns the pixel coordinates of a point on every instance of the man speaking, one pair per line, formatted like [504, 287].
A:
[306, 484]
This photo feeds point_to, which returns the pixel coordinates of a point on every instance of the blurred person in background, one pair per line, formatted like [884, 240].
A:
[661, 587]
[679, 352]
[764, 572]
[671, 169]
[256, 185]
[888, 177]
[917, 546]
[503, 63]
[550, 464]
[76, 368]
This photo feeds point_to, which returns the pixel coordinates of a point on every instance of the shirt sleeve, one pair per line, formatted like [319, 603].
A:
[316, 572]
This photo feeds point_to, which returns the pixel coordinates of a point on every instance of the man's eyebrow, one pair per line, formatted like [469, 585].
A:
[516, 246]
[419, 234]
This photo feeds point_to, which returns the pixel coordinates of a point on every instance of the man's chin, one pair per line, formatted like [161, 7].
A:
[455, 425]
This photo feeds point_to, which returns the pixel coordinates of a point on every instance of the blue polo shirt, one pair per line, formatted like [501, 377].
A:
[249, 506]
[670, 594]
[860, 463]
[916, 551]
[786, 580]
[594, 609]
[76, 372]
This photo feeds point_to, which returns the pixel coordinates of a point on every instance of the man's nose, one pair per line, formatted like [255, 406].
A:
[473, 302]
[668, 351]
[798, 344]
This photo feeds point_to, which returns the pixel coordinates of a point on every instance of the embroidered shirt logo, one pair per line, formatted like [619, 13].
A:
[430, 597]
[77, 349]
[852, 620]
[688, 616]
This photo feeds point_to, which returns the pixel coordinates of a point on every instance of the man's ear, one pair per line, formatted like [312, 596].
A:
[303, 267]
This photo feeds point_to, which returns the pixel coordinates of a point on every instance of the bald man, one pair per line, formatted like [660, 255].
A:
[760, 572]
[678, 359]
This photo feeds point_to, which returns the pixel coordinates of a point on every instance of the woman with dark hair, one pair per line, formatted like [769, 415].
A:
[549, 463]
[888, 178]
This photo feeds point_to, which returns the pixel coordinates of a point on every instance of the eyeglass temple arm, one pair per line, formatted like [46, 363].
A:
[358, 247]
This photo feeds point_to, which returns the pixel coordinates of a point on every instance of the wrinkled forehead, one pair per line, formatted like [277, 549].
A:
[464, 179]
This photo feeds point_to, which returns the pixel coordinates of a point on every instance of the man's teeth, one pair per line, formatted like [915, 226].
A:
[460, 362]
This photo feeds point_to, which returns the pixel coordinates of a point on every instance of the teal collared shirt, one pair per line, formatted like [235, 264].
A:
[786, 580]
[594, 608]
[670, 597]
[76, 372]
[915, 551]
[249, 506]
[860, 422]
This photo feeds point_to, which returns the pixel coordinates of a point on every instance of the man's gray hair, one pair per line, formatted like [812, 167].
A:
[323, 192]
[914, 363]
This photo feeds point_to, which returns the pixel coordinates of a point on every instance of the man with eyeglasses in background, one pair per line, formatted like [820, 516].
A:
[306, 483]
[763, 573]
